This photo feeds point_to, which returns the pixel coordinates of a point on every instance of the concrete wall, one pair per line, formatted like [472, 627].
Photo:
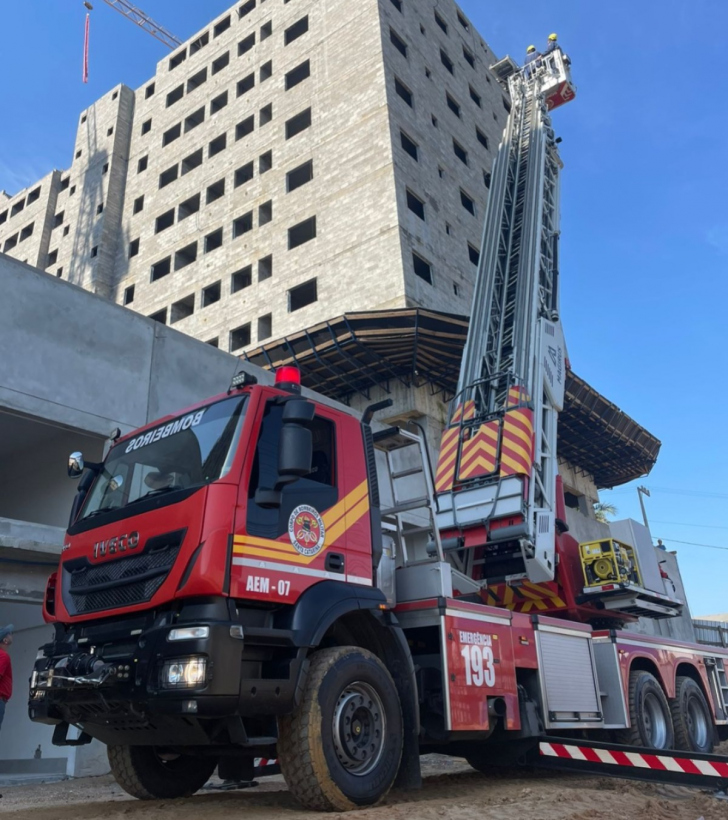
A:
[21, 740]
[680, 628]
[581, 484]
[26, 564]
[26, 220]
[20, 737]
[84, 238]
[438, 177]
[351, 194]
[39, 470]
[585, 528]
[83, 363]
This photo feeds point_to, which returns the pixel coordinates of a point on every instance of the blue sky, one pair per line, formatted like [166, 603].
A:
[644, 211]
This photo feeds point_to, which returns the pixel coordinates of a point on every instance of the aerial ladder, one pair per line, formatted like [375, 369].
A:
[500, 511]
[496, 476]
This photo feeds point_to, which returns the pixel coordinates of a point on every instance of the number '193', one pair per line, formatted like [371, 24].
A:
[479, 668]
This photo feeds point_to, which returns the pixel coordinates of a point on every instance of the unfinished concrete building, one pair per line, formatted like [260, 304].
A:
[287, 163]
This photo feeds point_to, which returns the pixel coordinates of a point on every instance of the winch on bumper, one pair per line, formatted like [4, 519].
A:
[193, 677]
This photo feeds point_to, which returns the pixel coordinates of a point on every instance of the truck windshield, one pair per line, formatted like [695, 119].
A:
[187, 452]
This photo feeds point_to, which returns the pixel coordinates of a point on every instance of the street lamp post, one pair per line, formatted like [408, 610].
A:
[642, 491]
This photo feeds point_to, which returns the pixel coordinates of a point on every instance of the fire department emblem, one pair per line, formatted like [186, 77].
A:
[306, 530]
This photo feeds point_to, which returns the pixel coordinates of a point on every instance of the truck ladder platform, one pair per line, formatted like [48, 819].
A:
[671, 766]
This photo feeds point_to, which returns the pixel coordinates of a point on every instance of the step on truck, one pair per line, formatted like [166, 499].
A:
[254, 577]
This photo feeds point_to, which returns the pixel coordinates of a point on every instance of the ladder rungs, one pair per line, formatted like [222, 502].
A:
[416, 530]
[404, 473]
[407, 506]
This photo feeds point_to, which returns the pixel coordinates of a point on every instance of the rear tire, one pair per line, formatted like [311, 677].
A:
[341, 748]
[649, 714]
[147, 774]
[691, 717]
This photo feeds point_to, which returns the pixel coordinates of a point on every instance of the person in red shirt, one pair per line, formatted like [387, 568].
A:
[6, 668]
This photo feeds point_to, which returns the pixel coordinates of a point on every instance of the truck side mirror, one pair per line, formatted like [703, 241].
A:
[84, 485]
[268, 499]
[295, 453]
[295, 448]
[298, 411]
[75, 465]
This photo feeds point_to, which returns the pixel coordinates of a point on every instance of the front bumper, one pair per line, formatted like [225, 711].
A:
[105, 677]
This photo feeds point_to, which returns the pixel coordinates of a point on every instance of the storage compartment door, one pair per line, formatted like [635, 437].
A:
[569, 689]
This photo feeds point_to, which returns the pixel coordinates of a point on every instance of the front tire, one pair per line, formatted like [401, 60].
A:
[691, 717]
[649, 714]
[146, 773]
[341, 748]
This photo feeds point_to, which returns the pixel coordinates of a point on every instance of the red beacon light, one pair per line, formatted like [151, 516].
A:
[288, 378]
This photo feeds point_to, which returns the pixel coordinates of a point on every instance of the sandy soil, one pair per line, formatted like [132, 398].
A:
[451, 790]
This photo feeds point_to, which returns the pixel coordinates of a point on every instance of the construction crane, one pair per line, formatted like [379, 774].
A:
[496, 477]
[143, 21]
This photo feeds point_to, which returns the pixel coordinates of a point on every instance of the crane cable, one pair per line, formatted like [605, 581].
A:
[694, 544]
[673, 491]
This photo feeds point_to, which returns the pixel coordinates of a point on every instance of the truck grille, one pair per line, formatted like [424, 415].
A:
[120, 582]
[115, 714]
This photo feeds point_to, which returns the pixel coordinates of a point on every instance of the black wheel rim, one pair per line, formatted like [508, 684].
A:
[168, 761]
[359, 728]
[654, 722]
[697, 723]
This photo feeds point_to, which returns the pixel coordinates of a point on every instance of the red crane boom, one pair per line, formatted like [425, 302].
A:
[143, 21]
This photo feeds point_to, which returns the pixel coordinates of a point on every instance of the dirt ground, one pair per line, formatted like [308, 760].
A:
[451, 790]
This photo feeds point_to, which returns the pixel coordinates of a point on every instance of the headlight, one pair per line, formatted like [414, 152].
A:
[175, 672]
[184, 672]
[188, 633]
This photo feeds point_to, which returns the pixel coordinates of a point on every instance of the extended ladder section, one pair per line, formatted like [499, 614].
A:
[497, 469]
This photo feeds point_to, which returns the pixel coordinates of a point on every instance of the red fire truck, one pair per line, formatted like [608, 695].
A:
[251, 578]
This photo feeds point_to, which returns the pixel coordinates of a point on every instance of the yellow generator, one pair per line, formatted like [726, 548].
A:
[609, 562]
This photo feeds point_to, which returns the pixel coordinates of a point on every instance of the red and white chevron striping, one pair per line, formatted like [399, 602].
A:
[686, 765]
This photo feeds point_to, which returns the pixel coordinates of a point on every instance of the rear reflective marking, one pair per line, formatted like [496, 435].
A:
[659, 762]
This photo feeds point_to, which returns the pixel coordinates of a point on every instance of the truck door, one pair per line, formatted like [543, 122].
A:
[279, 552]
